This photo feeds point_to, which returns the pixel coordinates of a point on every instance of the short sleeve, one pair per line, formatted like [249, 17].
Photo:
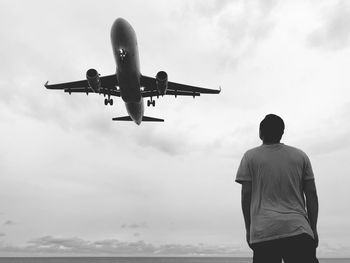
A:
[243, 172]
[308, 174]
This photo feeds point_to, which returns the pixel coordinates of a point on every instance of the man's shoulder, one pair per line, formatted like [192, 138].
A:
[253, 151]
[261, 150]
[294, 150]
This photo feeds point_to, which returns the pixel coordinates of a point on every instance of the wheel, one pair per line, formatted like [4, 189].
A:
[148, 103]
[106, 102]
[153, 103]
[111, 102]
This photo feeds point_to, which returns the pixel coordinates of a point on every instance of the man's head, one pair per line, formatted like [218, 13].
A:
[271, 129]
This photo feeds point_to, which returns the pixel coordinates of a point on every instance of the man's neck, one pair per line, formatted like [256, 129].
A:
[269, 143]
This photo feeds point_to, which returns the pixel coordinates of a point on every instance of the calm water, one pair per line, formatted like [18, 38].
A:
[143, 260]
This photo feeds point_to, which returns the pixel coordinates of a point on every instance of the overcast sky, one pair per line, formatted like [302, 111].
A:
[72, 182]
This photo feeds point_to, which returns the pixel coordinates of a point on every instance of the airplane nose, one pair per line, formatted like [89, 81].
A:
[119, 28]
[120, 20]
[119, 23]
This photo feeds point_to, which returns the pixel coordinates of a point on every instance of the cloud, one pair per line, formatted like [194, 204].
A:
[2, 234]
[328, 145]
[9, 223]
[246, 28]
[49, 245]
[240, 26]
[177, 249]
[135, 226]
[319, 140]
[216, 7]
[73, 246]
[169, 143]
[178, 141]
[211, 8]
[334, 32]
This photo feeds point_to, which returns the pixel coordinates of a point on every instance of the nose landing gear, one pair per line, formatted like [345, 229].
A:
[122, 54]
[151, 102]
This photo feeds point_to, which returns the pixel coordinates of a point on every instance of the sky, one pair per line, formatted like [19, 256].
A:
[73, 182]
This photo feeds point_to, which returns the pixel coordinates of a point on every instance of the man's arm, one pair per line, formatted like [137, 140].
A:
[309, 189]
[246, 200]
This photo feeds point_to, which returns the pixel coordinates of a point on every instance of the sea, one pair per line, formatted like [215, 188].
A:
[145, 260]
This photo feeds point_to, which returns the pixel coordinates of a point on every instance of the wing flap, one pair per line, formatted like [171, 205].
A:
[88, 90]
[182, 93]
[175, 93]
[187, 88]
[150, 85]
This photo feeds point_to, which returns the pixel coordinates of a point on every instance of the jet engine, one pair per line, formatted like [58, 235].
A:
[162, 82]
[93, 78]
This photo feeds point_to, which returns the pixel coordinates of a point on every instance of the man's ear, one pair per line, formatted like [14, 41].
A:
[260, 135]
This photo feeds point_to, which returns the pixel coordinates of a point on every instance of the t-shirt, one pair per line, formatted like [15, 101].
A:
[277, 208]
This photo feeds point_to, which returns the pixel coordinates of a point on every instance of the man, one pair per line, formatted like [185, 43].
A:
[275, 178]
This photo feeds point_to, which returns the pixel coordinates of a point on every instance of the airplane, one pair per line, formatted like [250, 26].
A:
[128, 83]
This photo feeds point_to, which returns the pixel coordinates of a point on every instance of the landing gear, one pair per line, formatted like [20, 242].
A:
[109, 101]
[122, 55]
[151, 102]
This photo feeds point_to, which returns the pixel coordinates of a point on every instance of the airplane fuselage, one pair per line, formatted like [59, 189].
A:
[125, 50]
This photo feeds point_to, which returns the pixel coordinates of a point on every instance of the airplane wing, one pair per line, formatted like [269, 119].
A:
[108, 86]
[176, 89]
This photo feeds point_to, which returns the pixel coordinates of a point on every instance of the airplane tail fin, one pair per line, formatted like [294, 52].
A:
[144, 118]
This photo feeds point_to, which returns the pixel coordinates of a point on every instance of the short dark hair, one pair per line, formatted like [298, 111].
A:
[271, 128]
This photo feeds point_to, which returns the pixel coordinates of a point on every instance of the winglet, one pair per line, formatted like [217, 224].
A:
[46, 84]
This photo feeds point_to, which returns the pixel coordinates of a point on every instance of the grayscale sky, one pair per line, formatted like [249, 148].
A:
[72, 182]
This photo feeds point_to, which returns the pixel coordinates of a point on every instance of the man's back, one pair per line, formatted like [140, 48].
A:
[277, 172]
[275, 177]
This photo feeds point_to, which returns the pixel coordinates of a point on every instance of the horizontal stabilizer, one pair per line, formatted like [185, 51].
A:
[125, 118]
[144, 118]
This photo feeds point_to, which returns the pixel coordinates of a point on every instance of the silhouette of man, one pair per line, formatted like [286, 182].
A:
[276, 179]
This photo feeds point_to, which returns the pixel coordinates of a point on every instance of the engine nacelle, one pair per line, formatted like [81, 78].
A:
[93, 78]
[162, 82]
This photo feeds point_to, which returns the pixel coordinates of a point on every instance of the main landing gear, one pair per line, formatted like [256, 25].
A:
[151, 102]
[109, 101]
